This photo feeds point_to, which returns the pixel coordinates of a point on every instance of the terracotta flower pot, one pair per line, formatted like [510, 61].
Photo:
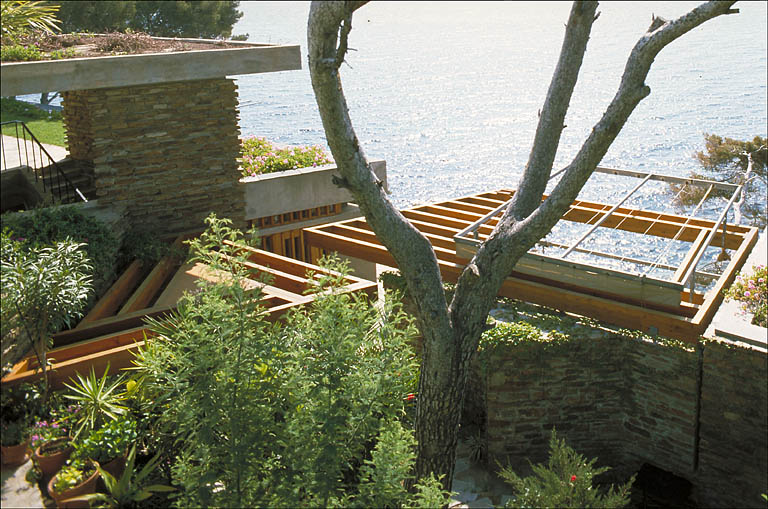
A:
[15, 454]
[50, 464]
[115, 466]
[84, 488]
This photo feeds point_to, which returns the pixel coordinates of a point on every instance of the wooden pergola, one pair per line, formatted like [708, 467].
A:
[674, 306]
[115, 327]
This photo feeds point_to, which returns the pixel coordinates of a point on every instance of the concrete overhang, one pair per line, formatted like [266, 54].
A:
[20, 78]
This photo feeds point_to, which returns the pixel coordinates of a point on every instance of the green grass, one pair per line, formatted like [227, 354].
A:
[47, 127]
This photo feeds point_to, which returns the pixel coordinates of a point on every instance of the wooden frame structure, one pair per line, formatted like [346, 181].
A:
[114, 329]
[669, 307]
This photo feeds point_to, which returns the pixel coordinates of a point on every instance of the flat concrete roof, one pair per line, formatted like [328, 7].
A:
[18, 78]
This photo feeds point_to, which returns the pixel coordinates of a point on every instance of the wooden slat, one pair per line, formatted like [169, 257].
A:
[287, 265]
[97, 344]
[284, 280]
[437, 219]
[442, 246]
[452, 213]
[490, 204]
[116, 295]
[466, 207]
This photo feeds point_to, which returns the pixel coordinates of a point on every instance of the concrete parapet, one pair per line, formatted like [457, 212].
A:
[302, 188]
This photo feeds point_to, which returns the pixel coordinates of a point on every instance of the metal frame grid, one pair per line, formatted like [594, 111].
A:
[658, 306]
[470, 235]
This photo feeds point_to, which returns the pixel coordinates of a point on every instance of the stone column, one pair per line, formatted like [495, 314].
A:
[166, 151]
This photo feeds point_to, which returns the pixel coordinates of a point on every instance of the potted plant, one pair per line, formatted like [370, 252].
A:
[98, 400]
[15, 442]
[52, 446]
[77, 478]
[108, 445]
[19, 404]
[129, 489]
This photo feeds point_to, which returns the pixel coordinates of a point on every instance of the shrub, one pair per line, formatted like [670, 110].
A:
[260, 156]
[19, 53]
[299, 414]
[565, 481]
[46, 226]
[752, 292]
[44, 289]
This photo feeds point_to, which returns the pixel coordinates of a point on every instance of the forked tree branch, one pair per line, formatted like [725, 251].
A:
[511, 232]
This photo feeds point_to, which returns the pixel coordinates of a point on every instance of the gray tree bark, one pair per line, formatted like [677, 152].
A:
[451, 332]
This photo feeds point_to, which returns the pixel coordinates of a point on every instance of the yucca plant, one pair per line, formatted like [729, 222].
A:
[20, 16]
[98, 400]
[128, 490]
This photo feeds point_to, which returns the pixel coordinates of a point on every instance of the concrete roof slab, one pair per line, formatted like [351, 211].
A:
[20, 78]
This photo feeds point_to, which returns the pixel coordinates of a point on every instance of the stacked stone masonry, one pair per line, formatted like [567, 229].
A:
[167, 152]
[700, 413]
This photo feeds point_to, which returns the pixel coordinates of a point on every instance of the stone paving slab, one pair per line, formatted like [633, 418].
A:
[16, 491]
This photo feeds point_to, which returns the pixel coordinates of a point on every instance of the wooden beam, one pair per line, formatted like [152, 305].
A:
[715, 296]
[284, 280]
[112, 324]
[148, 289]
[427, 217]
[609, 310]
[111, 301]
[696, 246]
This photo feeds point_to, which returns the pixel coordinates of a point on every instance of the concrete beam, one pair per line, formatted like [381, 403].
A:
[304, 188]
[20, 78]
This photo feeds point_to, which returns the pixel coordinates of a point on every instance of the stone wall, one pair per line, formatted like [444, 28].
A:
[167, 152]
[659, 412]
[572, 386]
[733, 436]
[700, 413]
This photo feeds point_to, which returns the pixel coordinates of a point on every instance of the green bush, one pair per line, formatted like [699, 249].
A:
[19, 53]
[43, 289]
[299, 414]
[260, 156]
[565, 481]
[45, 226]
[110, 441]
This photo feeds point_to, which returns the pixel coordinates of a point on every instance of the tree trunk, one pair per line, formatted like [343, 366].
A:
[451, 333]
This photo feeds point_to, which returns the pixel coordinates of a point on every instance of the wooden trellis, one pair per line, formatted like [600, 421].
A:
[671, 307]
[114, 329]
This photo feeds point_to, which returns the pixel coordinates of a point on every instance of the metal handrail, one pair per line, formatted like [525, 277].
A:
[51, 183]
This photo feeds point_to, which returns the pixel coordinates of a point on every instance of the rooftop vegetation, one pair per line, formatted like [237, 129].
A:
[261, 156]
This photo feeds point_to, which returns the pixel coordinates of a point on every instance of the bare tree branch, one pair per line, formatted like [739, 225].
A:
[552, 116]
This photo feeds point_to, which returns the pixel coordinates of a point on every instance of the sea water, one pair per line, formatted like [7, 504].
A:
[448, 93]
